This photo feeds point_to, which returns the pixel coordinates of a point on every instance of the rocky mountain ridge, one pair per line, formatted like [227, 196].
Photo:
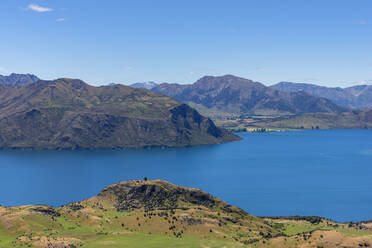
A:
[70, 114]
[356, 97]
[18, 79]
[232, 94]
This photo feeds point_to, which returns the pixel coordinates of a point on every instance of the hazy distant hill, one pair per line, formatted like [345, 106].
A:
[144, 85]
[359, 96]
[70, 114]
[18, 79]
[356, 119]
[232, 94]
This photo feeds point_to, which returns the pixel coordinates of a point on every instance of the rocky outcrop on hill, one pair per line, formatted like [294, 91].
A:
[159, 195]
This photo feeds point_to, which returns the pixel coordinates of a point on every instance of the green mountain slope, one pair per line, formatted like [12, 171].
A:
[70, 114]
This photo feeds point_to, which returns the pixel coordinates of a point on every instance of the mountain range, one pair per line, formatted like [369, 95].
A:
[18, 79]
[355, 97]
[231, 94]
[141, 213]
[70, 114]
[232, 102]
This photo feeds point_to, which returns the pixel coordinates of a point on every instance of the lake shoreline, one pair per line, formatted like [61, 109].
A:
[300, 173]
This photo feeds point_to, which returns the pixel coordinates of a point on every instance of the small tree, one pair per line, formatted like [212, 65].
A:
[145, 178]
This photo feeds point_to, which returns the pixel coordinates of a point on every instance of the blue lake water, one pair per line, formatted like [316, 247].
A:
[323, 173]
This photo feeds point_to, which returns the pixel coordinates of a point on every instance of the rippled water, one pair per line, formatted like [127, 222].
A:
[324, 173]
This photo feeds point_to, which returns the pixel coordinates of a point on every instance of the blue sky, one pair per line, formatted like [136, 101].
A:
[327, 42]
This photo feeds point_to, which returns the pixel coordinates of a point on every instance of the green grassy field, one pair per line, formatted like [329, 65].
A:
[181, 217]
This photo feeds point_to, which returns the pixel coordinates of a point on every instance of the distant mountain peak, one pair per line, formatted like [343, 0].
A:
[18, 79]
[358, 96]
[232, 94]
[225, 81]
[145, 85]
[227, 77]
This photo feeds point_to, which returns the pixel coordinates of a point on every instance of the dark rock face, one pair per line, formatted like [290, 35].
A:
[69, 114]
[18, 79]
[189, 118]
[50, 211]
[232, 94]
[149, 197]
[160, 195]
[75, 206]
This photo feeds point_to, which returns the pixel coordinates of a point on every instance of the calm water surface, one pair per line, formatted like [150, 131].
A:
[324, 173]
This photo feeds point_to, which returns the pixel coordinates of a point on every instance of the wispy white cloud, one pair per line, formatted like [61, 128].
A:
[304, 80]
[38, 8]
[354, 83]
[309, 79]
[2, 69]
[127, 68]
[363, 82]
[61, 19]
[191, 72]
[363, 23]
